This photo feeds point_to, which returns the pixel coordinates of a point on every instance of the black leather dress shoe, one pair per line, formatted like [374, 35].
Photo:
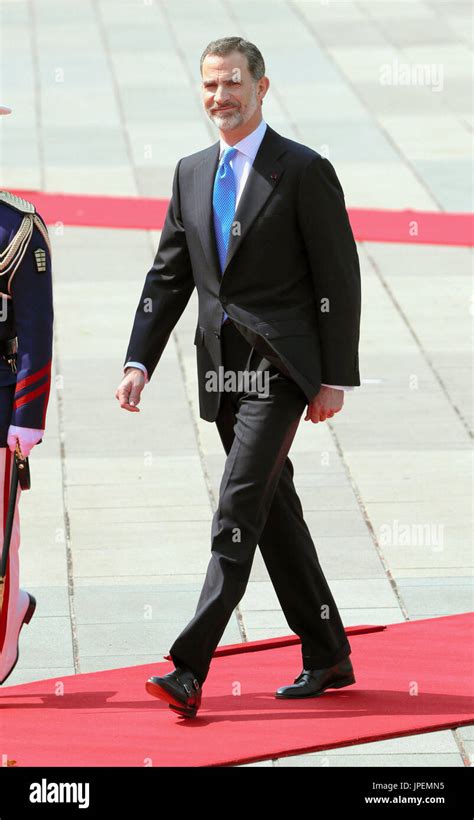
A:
[313, 682]
[180, 689]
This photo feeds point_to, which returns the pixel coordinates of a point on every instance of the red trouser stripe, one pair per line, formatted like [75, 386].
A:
[6, 499]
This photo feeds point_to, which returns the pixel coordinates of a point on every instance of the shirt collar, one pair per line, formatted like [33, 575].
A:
[250, 144]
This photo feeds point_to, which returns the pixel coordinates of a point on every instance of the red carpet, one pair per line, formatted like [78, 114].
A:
[369, 225]
[411, 677]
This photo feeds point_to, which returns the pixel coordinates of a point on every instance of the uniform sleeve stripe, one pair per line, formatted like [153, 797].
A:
[19, 393]
[32, 395]
[33, 377]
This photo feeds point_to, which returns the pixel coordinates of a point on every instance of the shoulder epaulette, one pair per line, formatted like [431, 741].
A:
[12, 255]
[17, 202]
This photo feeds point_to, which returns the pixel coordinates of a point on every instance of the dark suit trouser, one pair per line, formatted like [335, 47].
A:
[258, 504]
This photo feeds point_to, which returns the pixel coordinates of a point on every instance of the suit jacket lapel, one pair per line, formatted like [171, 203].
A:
[264, 176]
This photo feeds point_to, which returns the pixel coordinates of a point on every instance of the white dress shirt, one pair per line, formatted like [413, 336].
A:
[241, 164]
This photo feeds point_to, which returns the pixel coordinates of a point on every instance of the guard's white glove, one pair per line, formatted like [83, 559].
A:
[27, 436]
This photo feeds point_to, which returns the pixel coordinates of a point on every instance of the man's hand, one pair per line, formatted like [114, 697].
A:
[129, 390]
[27, 438]
[328, 401]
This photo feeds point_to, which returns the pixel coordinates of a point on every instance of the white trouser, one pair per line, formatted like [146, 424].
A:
[15, 601]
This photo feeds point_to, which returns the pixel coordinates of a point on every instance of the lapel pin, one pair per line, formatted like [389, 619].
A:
[274, 175]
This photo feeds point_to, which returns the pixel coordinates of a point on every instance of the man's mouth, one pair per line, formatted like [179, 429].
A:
[225, 108]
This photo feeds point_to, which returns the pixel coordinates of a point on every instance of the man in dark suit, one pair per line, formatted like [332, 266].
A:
[258, 224]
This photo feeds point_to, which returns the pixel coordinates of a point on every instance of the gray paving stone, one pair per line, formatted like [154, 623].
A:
[450, 182]
[440, 598]
[361, 560]
[130, 514]
[375, 760]
[262, 619]
[382, 616]
[138, 561]
[97, 663]
[170, 534]
[45, 643]
[51, 674]
[154, 181]
[436, 742]
[145, 606]
[125, 638]
[469, 747]
[466, 732]
[361, 143]
[51, 601]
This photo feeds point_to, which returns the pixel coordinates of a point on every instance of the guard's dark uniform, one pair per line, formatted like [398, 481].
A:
[26, 325]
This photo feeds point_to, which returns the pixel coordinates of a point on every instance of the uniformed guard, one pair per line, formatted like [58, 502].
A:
[26, 340]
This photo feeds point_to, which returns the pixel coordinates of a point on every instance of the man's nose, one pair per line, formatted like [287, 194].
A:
[221, 95]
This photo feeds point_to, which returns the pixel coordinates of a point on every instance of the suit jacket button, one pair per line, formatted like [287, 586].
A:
[217, 334]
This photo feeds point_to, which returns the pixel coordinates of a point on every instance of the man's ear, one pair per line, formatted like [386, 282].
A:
[266, 86]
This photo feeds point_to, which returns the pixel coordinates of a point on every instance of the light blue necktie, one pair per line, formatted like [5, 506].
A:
[223, 200]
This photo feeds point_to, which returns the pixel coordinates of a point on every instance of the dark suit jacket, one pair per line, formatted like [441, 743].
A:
[291, 277]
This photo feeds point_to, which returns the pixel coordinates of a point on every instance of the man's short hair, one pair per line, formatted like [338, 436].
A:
[226, 45]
